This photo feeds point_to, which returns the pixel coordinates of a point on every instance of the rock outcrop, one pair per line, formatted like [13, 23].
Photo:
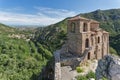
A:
[108, 67]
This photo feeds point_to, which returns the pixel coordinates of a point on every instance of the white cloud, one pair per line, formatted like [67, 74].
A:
[44, 16]
[12, 9]
[15, 18]
[55, 12]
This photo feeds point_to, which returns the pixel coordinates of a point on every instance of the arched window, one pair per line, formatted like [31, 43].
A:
[98, 39]
[84, 27]
[86, 43]
[73, 27]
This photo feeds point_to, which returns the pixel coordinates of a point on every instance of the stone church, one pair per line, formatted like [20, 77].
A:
[83, 33]
[85, 41]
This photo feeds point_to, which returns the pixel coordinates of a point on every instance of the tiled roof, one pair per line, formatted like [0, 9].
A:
[82, 18]
[78, 18]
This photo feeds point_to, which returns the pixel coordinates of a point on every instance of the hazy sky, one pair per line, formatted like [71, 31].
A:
[44, 12]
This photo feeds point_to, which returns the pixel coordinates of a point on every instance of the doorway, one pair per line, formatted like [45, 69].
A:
[88, 56]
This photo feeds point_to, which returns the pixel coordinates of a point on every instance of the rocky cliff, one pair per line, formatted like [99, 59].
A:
[109, 68]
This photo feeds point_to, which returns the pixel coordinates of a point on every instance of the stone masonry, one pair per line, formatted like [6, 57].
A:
[85, 41]
[84, 33]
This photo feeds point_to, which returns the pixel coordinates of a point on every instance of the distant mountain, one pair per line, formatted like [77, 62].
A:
[53, 36]
[6, 29]
[27, 26]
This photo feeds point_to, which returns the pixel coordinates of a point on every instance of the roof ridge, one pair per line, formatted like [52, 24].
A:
[83, 18]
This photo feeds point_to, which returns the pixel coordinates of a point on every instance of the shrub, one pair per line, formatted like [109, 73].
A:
[113, 51]
[90, 74]
[82, 78]
[87, 76]
[104, 78]
[79, 69]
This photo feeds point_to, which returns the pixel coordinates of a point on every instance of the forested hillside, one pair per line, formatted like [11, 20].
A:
[53, 36]
[20, 58]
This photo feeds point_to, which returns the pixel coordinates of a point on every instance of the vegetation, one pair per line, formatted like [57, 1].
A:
[104, 78]
[53, 36]
[79, 69]
[87, 76]
[20, 59]
[115, 43]
[113, 51]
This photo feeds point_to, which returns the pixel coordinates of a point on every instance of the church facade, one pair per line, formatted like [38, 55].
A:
[83, 33]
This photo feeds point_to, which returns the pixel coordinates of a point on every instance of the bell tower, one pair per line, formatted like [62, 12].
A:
[78, 31]
[82, 34]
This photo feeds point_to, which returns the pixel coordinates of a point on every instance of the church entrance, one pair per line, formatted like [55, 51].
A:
[88, 57]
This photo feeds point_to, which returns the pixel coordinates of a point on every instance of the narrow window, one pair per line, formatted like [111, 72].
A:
[88, 55]
[98, 39]
[84, 27]
[92, 40]
[73, 27]
[86, 43]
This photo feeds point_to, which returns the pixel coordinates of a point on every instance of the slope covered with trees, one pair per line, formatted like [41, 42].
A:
[20, 59]
[53, 36]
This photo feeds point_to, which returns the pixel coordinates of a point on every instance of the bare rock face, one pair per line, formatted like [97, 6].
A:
[108, 67]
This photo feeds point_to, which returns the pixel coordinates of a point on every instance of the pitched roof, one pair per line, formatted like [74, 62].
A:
[82, 18]
[94, 21]
[78, 18]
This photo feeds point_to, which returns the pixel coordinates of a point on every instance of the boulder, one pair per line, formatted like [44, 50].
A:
[108, 67]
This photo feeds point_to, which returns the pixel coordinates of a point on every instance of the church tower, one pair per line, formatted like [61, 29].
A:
[84, 33]
[78, 26]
